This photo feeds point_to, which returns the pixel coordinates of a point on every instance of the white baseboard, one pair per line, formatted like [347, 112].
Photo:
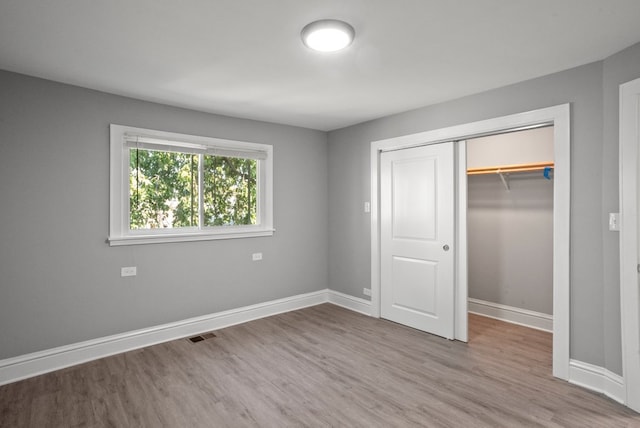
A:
[29, 365]
[349, 302]
[512, 315]
[597, 379]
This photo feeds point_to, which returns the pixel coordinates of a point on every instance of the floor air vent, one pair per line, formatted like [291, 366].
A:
[201, 337]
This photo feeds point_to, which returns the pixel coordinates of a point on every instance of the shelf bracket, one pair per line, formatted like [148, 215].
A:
[503, 177]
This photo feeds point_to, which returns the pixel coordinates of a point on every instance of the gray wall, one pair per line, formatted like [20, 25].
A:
[510, 240]
[349, 185]
[60, 282]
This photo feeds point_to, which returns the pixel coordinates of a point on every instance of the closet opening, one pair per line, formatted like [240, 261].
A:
[560, 118]
[510, 219]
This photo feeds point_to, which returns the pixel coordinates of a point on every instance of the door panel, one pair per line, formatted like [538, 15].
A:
[415, 281]
[413, 199]
[417, 230]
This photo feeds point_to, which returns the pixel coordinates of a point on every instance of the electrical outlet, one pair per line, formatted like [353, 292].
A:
[256, 256]
[128, 271]
[366, 291]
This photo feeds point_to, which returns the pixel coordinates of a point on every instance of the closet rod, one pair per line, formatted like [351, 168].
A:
[539, 166]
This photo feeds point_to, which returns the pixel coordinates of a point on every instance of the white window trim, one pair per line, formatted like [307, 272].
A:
[119, 232]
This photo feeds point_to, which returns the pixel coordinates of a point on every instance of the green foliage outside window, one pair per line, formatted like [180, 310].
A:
[229, 191]
[164, 190]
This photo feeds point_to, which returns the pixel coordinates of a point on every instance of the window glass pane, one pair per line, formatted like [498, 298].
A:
[229, 191]
[163, 189]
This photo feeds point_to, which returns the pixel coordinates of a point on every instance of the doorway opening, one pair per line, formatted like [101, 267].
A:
[559, 118]
[510, 229]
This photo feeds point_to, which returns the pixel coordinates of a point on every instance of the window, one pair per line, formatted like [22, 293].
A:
[168, 187]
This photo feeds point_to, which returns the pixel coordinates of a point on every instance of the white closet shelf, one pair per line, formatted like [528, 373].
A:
[504, 169]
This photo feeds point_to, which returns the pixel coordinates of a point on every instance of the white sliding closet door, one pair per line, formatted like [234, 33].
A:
[417, 236]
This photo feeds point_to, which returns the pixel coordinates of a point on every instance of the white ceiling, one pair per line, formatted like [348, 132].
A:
[244, 58]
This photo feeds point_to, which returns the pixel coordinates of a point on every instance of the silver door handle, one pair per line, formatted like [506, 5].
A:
[445, 247]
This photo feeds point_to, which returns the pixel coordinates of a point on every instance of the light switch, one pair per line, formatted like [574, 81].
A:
[614, 222]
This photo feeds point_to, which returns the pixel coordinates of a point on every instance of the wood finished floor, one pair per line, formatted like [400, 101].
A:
[322, 366]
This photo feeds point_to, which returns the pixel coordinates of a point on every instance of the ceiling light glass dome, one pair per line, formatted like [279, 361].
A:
[327, 35]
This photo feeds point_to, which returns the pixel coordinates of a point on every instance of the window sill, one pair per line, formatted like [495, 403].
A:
[185, 237]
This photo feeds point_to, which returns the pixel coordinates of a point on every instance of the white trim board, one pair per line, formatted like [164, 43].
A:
[352, 303]
[597, 379]
[629, 245]
[29, 365]
[513, 315]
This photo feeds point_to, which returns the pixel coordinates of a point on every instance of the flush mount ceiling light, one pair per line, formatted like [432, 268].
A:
[327, 35]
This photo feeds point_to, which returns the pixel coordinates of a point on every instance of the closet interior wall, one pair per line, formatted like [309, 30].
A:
[510, 222]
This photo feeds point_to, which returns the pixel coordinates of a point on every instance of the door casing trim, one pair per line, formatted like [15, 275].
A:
[629, 294]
